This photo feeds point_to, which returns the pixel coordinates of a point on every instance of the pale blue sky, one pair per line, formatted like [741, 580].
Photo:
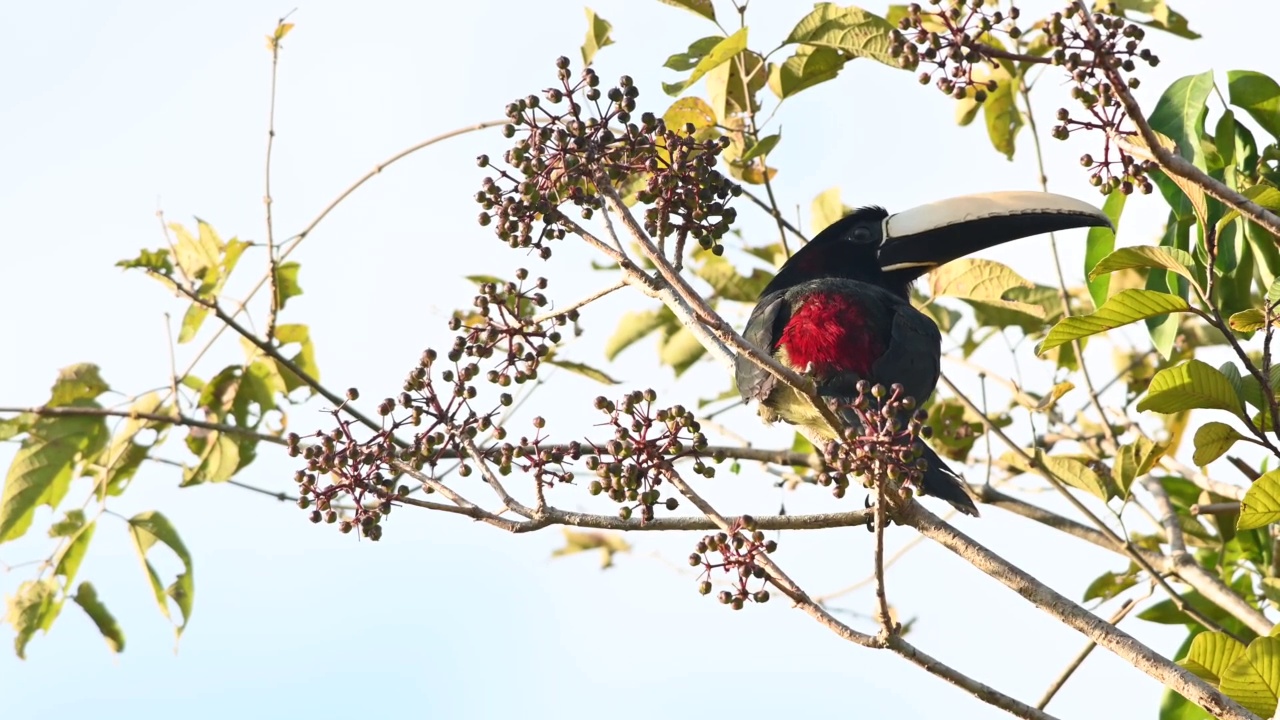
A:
[113, 110]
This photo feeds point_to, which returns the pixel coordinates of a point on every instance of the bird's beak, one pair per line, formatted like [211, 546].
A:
[930, 235]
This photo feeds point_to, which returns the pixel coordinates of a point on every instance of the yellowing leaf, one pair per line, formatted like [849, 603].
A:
[1075, 473]
[1210, 654]
[1261, 503]
[705, 8]
[597, 36]
[1147, 256]
[576, 541]
[1253, 679]
[720, 54]
[1212, 440]
[633, 326]
[826, 208]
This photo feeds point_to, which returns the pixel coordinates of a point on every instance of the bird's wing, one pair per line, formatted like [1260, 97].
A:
[913, 355]
[763, 330]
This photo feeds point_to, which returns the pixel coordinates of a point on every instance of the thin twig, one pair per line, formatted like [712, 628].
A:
[1083, 655]
[1120, 543]
[553, 314]
[775, 214]
[272, 268]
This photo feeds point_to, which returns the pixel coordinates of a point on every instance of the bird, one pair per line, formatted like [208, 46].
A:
[839, 310]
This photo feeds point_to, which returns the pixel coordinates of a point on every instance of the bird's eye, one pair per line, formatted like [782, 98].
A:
[862, 234]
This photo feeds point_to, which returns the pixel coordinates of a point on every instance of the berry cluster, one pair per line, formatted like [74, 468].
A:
[882, 440]
[953, 40]
[577, 137]
[1092, 57]
[736, 553]
[498, 341]
[631, 467]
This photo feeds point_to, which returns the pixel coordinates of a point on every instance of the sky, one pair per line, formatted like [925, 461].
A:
[116, 110]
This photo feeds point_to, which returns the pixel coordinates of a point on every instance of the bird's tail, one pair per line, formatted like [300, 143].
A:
[943, 483]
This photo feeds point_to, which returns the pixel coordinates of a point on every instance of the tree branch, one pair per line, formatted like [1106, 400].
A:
[1074, 616]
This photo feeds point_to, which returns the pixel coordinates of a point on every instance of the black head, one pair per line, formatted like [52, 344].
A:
[848, 248]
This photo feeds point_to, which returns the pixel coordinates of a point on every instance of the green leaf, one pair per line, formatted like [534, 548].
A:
[1000, 110]
[40, 473]
[1134, 460]
[851, 30]
[191, 322]
[1075, 473]
[685, 61]
[1261, 504]
[76, 383]
[1193, 384]
[597, 36]
[826, 208]
[1029, 309]
[304, 359]
[17, 425]
[1210, 654]
[1120, 310]
[33, 607]
[1253, 680]
[1179, 115]
[1212, 440]
[1100, 242]
[810, 65]
[680, 350]
[87, 598]
[156, 261]
[729, 284]
[218, 461]
[287, 283]
[71, 555]
[584, 370]
[1160, 17]
[1258, 95]
[1264, 194]
[69, 525]
[1110, 584]
[720, 54]
[1166, 612]
[146, 529]
[1147, 256]
[705, 8]
[762, 148]
[119, 462]
[633, 326]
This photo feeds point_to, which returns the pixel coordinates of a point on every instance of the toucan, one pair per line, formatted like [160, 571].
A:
[839, 310]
